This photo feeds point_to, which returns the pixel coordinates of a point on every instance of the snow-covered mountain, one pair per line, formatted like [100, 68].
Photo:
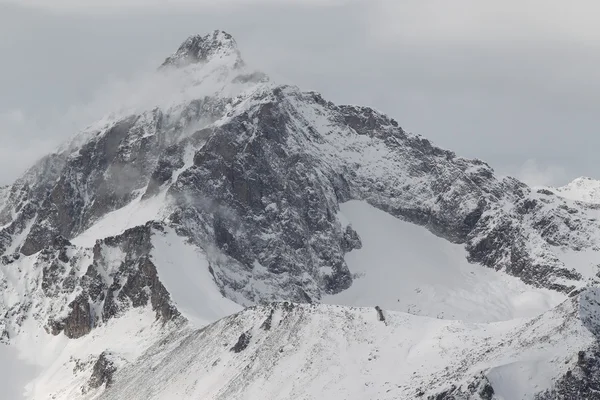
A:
[580, 189]
[128, 255]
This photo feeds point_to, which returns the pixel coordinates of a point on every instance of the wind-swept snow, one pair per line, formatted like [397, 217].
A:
[403, 267]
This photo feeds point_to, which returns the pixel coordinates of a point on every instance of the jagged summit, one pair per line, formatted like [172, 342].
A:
[201, 49]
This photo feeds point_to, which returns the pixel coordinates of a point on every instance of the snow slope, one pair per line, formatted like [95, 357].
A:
[184, 270]
[287, 351]
[404, 267]
[64, 366]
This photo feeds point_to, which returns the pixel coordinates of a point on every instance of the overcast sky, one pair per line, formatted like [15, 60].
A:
[515, 83]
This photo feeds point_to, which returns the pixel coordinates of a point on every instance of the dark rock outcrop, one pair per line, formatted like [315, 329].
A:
[103, 372]
[79, 321]
[479, 389]
[380, 315]
[242, 343]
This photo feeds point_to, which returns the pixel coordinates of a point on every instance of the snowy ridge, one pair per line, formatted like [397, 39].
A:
[287, 351]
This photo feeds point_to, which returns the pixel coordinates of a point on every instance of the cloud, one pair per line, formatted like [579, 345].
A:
[23, 143]
[119, 6]
[536, 175]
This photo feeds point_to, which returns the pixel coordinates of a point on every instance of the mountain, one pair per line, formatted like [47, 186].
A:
[581, 189]
[129, 254]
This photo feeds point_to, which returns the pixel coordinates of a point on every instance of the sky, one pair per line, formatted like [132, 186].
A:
[514, 83]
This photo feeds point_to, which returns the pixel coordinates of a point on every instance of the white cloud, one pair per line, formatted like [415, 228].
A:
[23, 143]
[536, 175]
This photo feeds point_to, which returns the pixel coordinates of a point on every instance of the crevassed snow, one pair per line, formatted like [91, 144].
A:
[184, 271]
[404, 267]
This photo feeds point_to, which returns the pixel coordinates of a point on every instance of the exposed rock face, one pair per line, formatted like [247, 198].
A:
[269, 181]
[380, 315]
[135, 282]
[81, 288]
[262, 204]
[242, 343]
[351, 240]
[102, 372]
[79, 321]
[253, 173]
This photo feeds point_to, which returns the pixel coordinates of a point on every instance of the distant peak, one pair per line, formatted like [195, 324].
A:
[581, 189]
[583, 179]
[201, 49]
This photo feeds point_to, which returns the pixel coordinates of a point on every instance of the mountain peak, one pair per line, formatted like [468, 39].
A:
[202, 49]
[581, 189]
